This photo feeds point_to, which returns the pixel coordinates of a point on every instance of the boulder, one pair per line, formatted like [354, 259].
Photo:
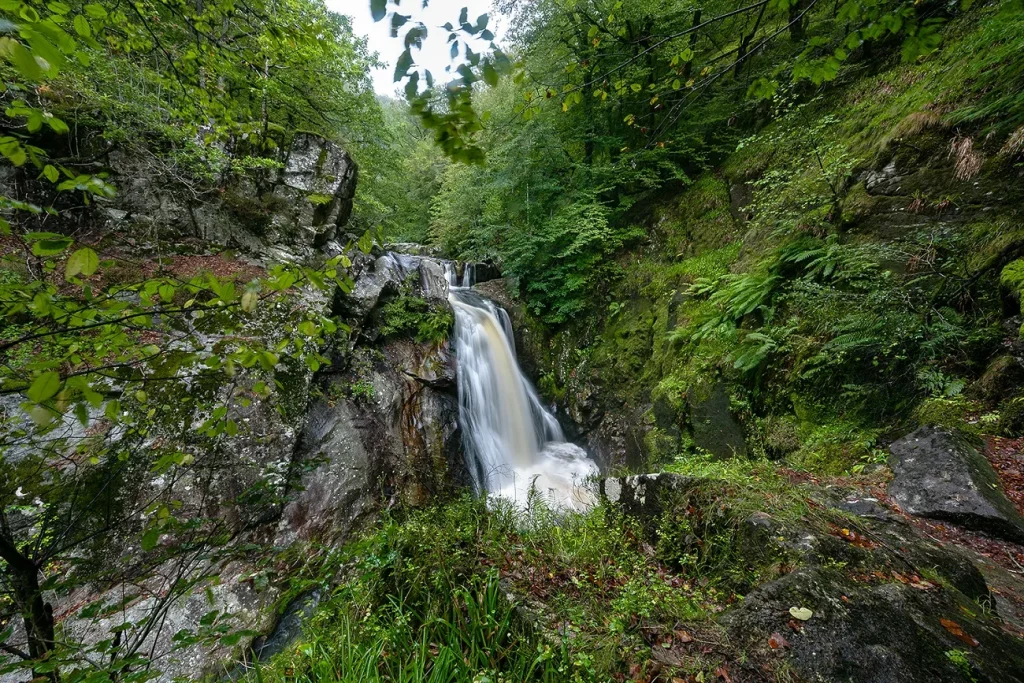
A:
[644, 495]
[387, 274]
[337, 487]
[867, 613]
[940, 476]
[1001, 378]
[873, 631]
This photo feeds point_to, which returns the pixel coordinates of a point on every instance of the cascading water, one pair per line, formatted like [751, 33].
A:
[514, 445]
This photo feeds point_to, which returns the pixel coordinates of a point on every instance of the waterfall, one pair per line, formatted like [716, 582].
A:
[513, 443]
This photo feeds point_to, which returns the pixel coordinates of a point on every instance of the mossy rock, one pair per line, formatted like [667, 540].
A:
[1012, 277]
[715, 429]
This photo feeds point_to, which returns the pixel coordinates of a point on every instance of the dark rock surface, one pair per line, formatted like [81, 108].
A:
[940, 476]
[715, 429]
[881, 632]
[874, 618]
[288, 210]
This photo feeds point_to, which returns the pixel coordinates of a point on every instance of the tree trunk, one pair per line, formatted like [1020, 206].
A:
[797, 25]
[23, 576]
[688, 67]
[745, 42]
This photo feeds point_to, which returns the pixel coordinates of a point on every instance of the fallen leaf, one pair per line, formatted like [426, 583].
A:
[683, 637]
[801, 613]
[796, 626]
[958, 631]
[722, 673]
[777, 642]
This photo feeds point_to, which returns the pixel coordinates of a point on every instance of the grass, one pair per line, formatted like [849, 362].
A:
[425, 596]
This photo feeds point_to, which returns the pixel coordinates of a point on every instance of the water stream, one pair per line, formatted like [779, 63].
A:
[514, 445]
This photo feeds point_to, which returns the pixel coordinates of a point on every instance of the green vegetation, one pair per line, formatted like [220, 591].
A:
[413, 316]
[800, 220]
[420, 596]
[740, 228]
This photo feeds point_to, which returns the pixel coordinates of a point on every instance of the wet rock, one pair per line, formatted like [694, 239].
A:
[414, 249]
[863, 506]
[484, 271]
[715, 429]
[884, 181]
[874, 632]
[367, 289]
[644, 495]
[233, 593]
[288, 627]
[940, 476]
[337, 487]
[298, 208]
[414, 415]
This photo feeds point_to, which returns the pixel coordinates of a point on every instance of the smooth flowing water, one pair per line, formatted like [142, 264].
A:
[514, 445]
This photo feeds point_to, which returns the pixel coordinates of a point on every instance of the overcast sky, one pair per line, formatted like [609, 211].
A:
[435, 54]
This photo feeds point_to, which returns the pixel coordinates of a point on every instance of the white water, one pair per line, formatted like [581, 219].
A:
[514, 445]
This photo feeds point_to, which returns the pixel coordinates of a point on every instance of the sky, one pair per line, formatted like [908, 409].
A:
[435, 54]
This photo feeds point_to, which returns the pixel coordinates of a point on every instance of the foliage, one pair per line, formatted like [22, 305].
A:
[417, 317]
[131, 373]
[421, 590]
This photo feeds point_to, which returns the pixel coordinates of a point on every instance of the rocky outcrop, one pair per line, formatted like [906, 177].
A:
[864, 612]
[308, 466]
[941, 476]
[287, 204]
[291, 209]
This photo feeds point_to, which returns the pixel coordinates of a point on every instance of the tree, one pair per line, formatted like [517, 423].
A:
[118, 393]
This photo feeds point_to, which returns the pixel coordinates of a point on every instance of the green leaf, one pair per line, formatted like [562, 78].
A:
[249, 300]
[84, 261]
[44, 386]
[96, 11]
[150, 538]
[82, 27]
[490, 75]
[24, 62]
[51, 173]
[403, 65]
[378, 9]
[51, 246]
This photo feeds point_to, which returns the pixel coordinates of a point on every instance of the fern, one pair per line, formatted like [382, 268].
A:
[830, 259]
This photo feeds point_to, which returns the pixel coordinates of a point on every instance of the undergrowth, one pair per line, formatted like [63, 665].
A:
[426, 596]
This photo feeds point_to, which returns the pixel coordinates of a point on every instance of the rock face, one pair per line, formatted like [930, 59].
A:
[379, 425]
[290, 207]
[940, 476]
[889, 632]
[715, 430]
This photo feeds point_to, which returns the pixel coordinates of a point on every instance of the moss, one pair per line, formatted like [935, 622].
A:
[1011, 417]
[661, 445]
[1012, 277]
[957, 413]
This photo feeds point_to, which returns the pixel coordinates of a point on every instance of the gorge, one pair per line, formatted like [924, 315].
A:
[654, 341]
